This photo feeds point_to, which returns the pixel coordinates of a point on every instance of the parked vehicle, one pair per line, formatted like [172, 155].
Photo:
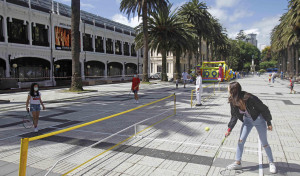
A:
[156, 76]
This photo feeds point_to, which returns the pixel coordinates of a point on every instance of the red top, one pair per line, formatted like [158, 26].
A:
[135, 82]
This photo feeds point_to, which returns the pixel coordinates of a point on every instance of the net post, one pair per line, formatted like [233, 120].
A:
[23, 156]
[174, 104]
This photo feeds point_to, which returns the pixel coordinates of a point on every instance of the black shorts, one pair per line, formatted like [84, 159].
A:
[135, 91]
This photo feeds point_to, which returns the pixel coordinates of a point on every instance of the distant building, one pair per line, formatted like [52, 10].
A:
[251, 38]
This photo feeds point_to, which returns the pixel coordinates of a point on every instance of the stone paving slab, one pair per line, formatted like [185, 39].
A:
[176, 146]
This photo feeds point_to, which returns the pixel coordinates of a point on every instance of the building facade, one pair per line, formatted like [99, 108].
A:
[35, 44]
[156, 61]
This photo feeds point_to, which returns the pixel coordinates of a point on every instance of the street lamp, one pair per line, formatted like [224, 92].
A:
[15, 69]
[88, 67]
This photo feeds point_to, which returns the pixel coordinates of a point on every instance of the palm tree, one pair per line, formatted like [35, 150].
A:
[76, 84]
[195, 12]
[167, 32]
[143, 8]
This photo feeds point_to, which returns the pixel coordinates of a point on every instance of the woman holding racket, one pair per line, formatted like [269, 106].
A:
[253, 113]
[35, 100]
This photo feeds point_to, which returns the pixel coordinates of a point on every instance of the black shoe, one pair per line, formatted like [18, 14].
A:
[198, 104]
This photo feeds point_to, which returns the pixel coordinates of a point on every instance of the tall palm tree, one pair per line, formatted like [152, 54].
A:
[143, 8]
[76, 84]
[167, 32]
[195, 12]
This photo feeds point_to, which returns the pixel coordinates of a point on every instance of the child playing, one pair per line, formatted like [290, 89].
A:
[292, 83]
[270, 77]
[34, 98]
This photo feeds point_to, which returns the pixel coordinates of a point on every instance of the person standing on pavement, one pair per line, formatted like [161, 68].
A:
[281, 74]
[253, 113]
[273, 77]
[292, 83]
[184, 77]
[135, 87]
[35, 101]
[198, 89]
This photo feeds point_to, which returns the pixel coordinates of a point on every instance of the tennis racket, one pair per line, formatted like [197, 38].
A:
[217, 153]
[28, 120]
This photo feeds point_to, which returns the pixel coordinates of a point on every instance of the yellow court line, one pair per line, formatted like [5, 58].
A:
[115, 145]
[94, 121]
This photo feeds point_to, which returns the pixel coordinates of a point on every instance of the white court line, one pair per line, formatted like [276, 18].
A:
[164, 140]
[260, 159]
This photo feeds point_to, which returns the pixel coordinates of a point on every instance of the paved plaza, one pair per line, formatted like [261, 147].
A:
[166, 144]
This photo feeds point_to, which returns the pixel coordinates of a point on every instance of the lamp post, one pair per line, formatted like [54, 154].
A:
[88, 67]
[15, 69]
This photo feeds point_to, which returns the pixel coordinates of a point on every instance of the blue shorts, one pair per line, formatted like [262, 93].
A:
[35, 107]
[135, 91]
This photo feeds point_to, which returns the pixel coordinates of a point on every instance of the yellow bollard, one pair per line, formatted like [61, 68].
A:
[174, 104]
[23, 156]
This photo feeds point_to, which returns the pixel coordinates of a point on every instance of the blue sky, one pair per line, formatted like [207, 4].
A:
[253, 16]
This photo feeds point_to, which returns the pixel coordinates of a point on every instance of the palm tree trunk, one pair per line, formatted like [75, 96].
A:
[76, 84]
[297, 61]
[207, 50]
[164, 65]
[189, 61]
[212, 51]
[200, 50]
[289, 61]
[177, 65]
[284, 59]
[146, 48]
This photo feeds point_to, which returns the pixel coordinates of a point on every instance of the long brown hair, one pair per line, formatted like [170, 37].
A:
[237, 97]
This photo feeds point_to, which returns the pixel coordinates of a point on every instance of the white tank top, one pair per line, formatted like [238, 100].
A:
[35, 99]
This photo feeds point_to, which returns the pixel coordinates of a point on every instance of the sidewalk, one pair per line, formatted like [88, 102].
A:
[178, 145]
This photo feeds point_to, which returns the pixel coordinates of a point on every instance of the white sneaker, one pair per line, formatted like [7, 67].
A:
[137, 102]
[234, 166]
[273, 169]
[36, 129]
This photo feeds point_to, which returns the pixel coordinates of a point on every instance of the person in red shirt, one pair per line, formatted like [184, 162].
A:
[135, 87]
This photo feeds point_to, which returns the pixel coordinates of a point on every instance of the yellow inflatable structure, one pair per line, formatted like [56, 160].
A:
[210, 71]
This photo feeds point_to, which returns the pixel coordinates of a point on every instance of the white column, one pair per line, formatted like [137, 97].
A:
[105, 70]
[29, 33]
[114, 46]
[122, 47]
[82, 70]
[81, 42]
[129, 49]
[5, 34]
[104, 44]
[7, 71]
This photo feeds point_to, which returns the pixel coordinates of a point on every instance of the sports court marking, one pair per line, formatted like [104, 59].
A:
[260, 159]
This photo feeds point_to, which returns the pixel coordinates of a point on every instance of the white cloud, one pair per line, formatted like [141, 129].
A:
[238, 14]
[219, 14]
[86, 5]
[265, 27]
[226, 3]
[133, 22]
